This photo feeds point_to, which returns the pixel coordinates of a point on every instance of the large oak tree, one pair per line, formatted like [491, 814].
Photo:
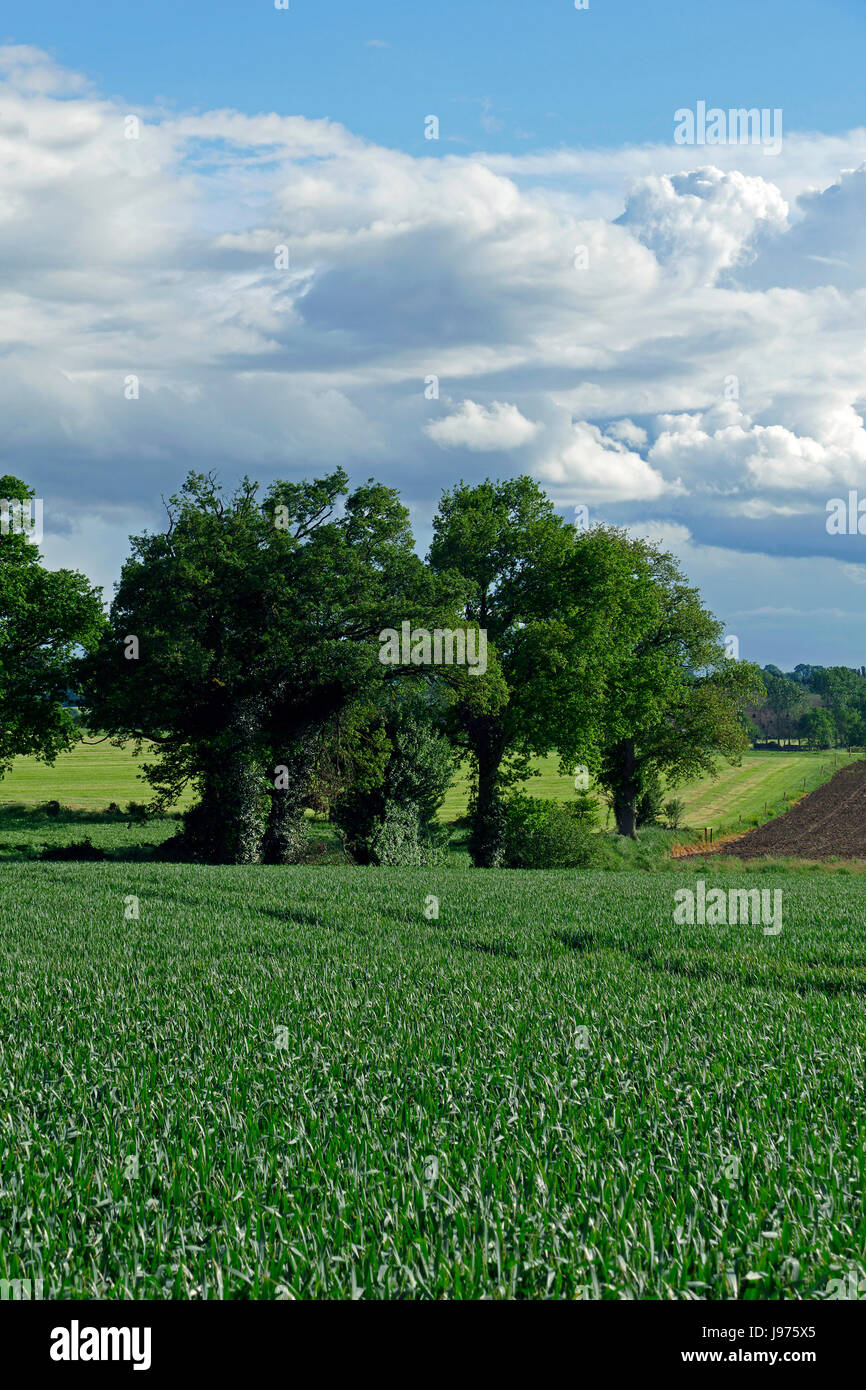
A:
[545, 604]
[673, 701]
[239, 631]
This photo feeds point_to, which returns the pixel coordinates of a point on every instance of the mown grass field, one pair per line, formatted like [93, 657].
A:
[88, 778]
[763, 786]
[94, 775]
[291, 1083]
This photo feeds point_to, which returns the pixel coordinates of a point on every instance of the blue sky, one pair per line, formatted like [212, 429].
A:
[552, 75]
[671, 335]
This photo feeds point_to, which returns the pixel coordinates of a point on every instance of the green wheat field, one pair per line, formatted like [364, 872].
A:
[292, 1083]
[302, 1083]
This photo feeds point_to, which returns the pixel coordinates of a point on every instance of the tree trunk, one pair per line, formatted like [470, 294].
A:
[286, 836]
[487, 841]
[626, 789]
[228, 823]
[625, 818]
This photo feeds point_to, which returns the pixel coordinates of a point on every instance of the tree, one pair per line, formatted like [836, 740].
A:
[818, 728]
[784, 705]
[541, 599]
[46, 618]
[673, 700]
[842, 691]
[236, 634]
[839, 686]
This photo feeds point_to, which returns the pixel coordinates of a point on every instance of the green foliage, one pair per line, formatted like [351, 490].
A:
[546, 835]
[45, 618]
[584, 808]
[402, 838]
[649, 805]
[674, 810]
[389, 816]
[818, 728]
[839, 687]
[351, 755]
[673, 700]
[258, 622]
[825, 705]
[542, 602]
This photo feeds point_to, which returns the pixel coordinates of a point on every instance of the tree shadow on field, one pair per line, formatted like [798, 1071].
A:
[298, 917]
[489, 948]
[794, 977]
[576, 940]
[17, 816]
[54, 832]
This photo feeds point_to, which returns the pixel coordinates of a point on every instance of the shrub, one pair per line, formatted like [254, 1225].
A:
[546, 835]
[285, 840]
[584, 808]
[489, 832]
[649, 806]
[395, 817]
[674, 811]
[401, 839]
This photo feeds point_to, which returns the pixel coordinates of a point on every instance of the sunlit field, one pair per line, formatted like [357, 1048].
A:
[95, 774]
[279, 1083]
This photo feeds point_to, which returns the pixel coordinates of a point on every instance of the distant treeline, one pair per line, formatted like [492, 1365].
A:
[819, 706]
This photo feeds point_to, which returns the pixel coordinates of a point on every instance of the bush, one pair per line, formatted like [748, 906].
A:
[674, 811]
[403, 841]
[547, 835]
[489, 831]
[649, 806]
[395, 817]
[584, 808]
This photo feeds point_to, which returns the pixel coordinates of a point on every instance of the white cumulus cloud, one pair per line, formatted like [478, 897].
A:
[481, 430]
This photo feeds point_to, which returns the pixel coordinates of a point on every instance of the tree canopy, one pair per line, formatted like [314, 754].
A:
[673, 700]
[542, 605]
[46, 618]
[244, 649]
[236, 633]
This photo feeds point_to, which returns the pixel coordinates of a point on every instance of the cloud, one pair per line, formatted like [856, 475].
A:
[628, 432]
[32, 72]
[482, 430]
[592, 466]
[824, 245]
[770, 458]
[700, 223]
[702, 359]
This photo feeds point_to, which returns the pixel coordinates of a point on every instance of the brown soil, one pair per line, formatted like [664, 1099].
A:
[828, 823]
